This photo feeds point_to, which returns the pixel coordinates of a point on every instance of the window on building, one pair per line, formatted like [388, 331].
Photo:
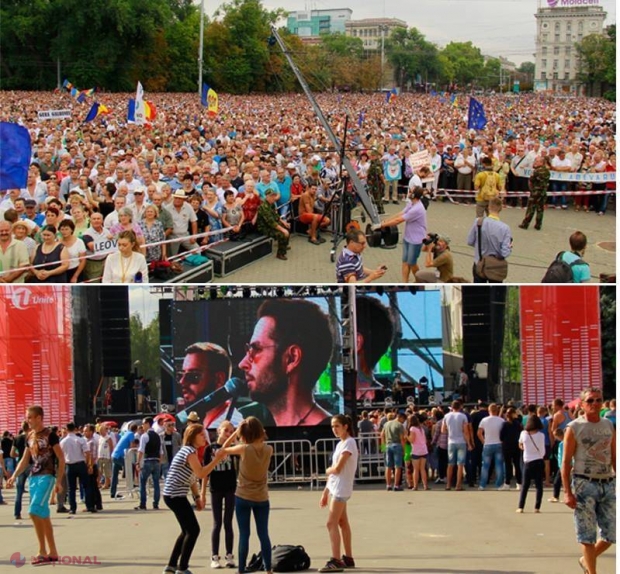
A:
[555, 64]
[567, 75]
[556, 50]
[544, 50]
[568, 37]
[543, 75]
[567, 64]
[545, 37]
[555, 75]
[569, 25]
[580, 26]
[543, 63]
[557, 27]
[567, 50]
[557, 37]
[579, 37]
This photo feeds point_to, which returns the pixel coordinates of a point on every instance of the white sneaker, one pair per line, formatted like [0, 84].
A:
[504, 487]
[215, 562]
[518, 487]
[230, 561]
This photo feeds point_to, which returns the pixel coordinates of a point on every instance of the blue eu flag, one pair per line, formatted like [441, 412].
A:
[203, 95]
[15, 153]
[475, 118]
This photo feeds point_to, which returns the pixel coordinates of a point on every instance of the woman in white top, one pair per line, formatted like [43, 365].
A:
[75, 248]
[338, 490]
[532, 443]
[127, 265]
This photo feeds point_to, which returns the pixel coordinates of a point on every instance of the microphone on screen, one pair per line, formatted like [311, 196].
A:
[233, 388]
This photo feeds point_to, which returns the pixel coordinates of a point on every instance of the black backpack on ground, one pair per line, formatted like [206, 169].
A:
[284, 558]
[559, 271]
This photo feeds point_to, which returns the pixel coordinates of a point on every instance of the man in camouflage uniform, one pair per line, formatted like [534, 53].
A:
[374, 180]
[538, 183]
[268, 223]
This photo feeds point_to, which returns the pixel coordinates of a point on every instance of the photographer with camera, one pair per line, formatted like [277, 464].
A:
[414, 216]
[439, 265]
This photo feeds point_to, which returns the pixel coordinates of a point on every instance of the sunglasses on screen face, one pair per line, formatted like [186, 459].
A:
[591, 401]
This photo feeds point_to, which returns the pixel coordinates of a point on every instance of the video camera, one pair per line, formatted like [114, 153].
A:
[431, 239]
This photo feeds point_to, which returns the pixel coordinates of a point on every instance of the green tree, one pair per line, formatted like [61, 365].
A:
[511, 351]
[607, 304]
[145, 346]
[25, 45]
[597, 61]
[466, 62]
[411, 55]
[491, 75]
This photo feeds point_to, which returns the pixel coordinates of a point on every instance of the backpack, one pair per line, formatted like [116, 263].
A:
[289, 558]
[490, 187]
[284, 558]
[559, 271]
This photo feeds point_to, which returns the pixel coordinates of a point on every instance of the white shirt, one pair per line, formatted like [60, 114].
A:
[455, 421]
[117, 271]
[341, 485]
[533, 445]
[492, 425]
[74, 448]
[111, 219]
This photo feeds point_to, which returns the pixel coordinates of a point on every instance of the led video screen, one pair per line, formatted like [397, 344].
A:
[399, 338]
[277, 359]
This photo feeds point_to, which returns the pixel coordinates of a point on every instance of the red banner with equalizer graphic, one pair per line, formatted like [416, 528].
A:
[36, 353]
[560, 342]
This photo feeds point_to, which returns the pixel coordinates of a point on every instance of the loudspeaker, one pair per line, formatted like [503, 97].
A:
[483, 335]
[115, 333]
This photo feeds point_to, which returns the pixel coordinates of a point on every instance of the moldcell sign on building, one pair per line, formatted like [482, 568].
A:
[571, 3]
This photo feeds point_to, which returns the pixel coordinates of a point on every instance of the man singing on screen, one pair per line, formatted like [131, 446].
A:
[290, 348]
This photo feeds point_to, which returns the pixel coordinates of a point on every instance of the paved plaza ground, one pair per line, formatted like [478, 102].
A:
[533, 250]
[434, 532]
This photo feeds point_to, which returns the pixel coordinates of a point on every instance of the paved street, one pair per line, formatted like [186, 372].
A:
[532, 253]
[434, 532]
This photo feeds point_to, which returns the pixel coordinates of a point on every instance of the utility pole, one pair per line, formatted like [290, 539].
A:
[58, 72]
[382, 53]
[201, 45]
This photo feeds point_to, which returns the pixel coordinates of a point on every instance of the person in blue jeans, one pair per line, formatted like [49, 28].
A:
[492, 450]
[118, 456]
[393, 438]
[150, 455]
[252, 494]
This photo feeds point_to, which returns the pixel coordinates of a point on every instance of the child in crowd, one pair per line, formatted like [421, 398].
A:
[558, 434]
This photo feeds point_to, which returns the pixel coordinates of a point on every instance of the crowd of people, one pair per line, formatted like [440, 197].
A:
[555, 446]
[107, 199]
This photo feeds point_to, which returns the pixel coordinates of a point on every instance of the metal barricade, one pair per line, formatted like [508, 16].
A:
[132, 481]
[292, 462]
[370, 462]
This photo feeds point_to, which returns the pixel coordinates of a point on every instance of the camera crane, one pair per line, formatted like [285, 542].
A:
[386, 237]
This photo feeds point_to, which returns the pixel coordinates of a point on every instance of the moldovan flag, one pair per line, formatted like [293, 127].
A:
[140, 112]
[15, 153]
[97, 110]
[209, 98]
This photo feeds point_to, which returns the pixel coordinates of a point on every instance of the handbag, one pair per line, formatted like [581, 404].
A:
[490, 267]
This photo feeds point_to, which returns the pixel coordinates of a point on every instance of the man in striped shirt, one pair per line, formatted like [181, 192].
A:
[350, 267]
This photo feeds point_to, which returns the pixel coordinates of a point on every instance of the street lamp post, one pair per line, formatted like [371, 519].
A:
[201, 45]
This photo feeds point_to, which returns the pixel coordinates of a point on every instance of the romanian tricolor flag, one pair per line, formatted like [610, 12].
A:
[96, 111]
[454, 100]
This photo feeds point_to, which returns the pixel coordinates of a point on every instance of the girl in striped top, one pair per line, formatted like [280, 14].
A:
[183, 468]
